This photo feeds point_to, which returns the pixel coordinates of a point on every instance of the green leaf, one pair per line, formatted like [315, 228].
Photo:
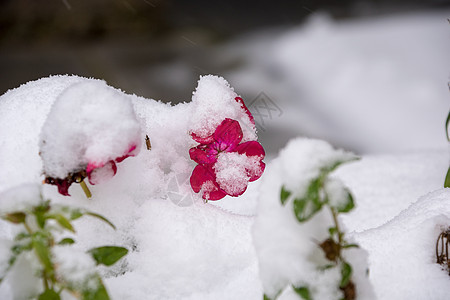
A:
[348, 205]
[98, 293]
[346, 273]
[346, 246]
[75, 213]
[303, 292]
[266, 297]
[42, 252]
[15, 217]
[22, 236]
[62, 221]
[447, 179]
[332, 231]
[95, 215]
[66, 241]
[305, 208]
[446, 126]
[108, 255]
[284, 195]
[336, 164]
[49, 295]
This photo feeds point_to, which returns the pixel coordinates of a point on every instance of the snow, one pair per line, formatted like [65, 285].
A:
[75, 266]
[380, 86]
[213, 101]
[336, 192]
[303, 159]
[231, 171]
[404, 248]
[83, 127]
[20, 198]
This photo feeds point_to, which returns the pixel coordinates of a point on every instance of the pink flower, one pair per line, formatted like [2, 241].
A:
[96, 172]
[224, 165]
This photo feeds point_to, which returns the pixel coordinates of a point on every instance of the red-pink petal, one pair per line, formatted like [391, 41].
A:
[249, 114]
[102, 173]
[199, 155]
[131, 152]
[214, 195]
[229, 132]
[63, 186]
[202, 140]
[93, 165]
[203, 179]
[257, 173]
[251, 148]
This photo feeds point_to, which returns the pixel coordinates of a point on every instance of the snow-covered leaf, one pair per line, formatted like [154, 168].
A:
[305, 207]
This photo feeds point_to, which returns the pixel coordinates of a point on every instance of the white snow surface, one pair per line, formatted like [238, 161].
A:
[201, 251]
[20, 198]
[206, 251]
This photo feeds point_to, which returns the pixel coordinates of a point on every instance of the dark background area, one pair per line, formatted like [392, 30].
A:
[130, 43]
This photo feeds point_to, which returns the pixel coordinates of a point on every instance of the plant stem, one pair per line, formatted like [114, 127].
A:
[85, 189]
[336, 225]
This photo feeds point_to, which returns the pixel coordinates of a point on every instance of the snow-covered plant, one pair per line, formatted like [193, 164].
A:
[42, 242]
[91, 127]
[325, 192]
[302, 249]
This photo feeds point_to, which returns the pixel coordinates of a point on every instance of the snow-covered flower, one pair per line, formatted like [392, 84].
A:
[225, 165]
[90, 128]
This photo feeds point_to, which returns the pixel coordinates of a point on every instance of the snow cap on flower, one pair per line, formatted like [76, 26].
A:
[90, 128]
[213, 101]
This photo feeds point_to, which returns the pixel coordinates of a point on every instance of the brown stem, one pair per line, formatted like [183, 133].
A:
[438, 260]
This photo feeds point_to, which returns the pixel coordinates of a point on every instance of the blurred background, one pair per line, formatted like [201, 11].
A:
[369, 76]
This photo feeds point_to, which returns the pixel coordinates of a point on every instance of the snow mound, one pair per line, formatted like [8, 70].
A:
[403, 250]
[89, 123]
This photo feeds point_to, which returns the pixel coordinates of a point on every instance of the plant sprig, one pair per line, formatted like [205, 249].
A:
[38, 237]
[306, 206]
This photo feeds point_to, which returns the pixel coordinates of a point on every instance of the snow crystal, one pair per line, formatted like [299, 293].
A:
[89, 122]
[20, 198]
[231, 171]
[213, 101]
